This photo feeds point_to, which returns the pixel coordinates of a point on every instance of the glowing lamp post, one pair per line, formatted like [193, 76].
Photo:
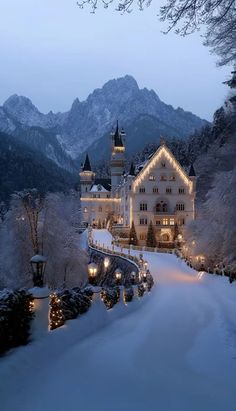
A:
[38, 264]
[118, 276]
[145, 265]
[106, 263]
[144, 276]
[92, 272]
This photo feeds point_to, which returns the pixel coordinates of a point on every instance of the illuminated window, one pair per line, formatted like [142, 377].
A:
[181, 190]
[180, 207]
[172, 178]
[168, 190]
[172, 221]
[142, 190]
[152, 177]
[143, 221]
[165, 221]
[155, 190]
[163, 177]
[143, 207]
[85, 210]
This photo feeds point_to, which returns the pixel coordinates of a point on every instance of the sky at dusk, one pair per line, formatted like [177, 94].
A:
[53, 52]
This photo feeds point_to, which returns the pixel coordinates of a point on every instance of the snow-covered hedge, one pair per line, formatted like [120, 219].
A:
[110, 296]
[15, 318]
[68, 304]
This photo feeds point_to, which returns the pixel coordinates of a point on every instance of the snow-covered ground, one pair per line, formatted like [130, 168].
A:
[175, 349]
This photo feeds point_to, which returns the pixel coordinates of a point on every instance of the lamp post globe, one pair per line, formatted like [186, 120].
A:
[92, 272]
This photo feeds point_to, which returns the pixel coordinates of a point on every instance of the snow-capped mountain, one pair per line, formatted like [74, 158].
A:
[88, 121]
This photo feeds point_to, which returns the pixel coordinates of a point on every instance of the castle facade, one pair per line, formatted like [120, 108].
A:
[159, 191]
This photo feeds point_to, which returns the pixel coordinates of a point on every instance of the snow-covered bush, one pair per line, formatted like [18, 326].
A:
[68, 304]
[110, 296]
[128, 294]
[141, 290]
[15, 318]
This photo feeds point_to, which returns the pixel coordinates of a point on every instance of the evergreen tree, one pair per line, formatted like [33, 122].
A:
[151, 239]
[132, 235]
[176, 232]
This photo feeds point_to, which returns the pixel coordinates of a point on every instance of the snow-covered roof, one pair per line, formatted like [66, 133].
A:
[37, 258]
[99, 188]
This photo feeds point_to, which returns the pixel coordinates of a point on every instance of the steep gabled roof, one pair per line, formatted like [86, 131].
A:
[162, 150]
[87, 165]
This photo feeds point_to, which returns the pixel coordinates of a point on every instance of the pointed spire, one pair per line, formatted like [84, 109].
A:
[87, 165]
[117, 137]
[162, 141]
[192, 171]
[132, 170]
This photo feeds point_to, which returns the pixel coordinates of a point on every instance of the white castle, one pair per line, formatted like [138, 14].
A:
[160, 191]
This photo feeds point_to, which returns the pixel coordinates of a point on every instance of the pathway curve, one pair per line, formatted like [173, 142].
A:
[176, 350]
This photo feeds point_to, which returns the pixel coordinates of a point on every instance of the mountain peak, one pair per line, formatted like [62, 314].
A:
[15, 101]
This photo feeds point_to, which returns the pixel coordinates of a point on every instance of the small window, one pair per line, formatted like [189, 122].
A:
[163, 164]
[180, 207]
[155, 190]
[181, 190]
[172, 178]
[168, 190]
[165, 221]
[158, 222]
[142, 190]
[143, 221]
[181, 221]
[152, 177]
[163, 177]
[143, 207]
[172, 221]
[85, 210]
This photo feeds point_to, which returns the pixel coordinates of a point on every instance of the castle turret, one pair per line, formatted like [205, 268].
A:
[87, 176]
[117, 157]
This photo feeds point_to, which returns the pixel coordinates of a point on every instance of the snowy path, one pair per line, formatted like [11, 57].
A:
[173, 350]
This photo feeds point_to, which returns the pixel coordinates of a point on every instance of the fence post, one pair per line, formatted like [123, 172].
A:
[40, 323]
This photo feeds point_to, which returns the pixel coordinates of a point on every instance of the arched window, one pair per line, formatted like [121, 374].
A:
[165, 237]
[164, 208]
[155, 190]
[161, 207]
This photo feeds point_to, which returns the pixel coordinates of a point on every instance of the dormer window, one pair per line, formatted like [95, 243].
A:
[152, 177]
[99, 187]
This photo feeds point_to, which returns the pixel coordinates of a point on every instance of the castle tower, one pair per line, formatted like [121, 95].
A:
[86, 176]
[117, 157]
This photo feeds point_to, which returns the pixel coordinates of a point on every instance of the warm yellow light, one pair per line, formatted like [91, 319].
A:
[163, 150]
[94, 199]
[106, 262]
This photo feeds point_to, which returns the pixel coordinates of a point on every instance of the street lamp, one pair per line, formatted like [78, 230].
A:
[118, 276]
[145, 264]
[38, 264]
[92, 272]
[106, 262]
